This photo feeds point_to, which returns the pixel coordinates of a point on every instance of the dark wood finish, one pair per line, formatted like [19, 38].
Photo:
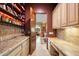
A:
[8, 13]
[53, 51]
[15, 8]
[10, 24]
[32, 42]
[20, 7]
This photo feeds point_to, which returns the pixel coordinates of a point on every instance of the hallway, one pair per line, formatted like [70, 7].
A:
[40, 48]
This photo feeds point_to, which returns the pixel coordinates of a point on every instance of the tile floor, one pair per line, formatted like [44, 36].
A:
[40, 48]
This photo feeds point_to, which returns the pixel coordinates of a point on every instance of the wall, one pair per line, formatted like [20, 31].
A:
[47, 8]
[69, 34]
[49, 25]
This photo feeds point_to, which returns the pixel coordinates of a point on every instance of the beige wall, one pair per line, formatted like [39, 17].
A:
[70, 34]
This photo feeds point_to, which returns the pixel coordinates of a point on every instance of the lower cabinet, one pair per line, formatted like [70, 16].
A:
[19, 54]
[15, 51]
[32, 43]
[60, 54]
[25, 48]
[54, 51]
[21, 50]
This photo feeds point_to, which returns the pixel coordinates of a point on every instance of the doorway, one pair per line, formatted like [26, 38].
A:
[41, 21]
[41, 46]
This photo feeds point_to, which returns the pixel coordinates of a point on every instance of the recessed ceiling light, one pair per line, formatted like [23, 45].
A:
[39, 11]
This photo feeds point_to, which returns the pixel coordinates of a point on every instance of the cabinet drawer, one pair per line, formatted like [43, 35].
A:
[15, 51]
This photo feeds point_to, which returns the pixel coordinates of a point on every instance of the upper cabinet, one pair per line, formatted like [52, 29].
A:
[59, 15]
[65, 14]
[72, 13]
[54, 20]
[56, 17]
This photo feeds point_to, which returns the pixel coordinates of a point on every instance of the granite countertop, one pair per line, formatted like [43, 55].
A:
[65, 47]
[9, 45]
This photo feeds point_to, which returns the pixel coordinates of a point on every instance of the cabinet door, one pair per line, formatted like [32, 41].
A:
[64, 14]
[72, 13]
[32, 43]
[15, 51]
[25, 48]
[53, 51]
[54, 20]
[19, 53]
[56, 16]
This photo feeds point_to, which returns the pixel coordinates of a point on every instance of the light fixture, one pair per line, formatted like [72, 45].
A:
[39, 11]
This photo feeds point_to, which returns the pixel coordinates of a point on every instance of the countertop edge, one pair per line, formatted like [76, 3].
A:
[10, 49]
[60, 49]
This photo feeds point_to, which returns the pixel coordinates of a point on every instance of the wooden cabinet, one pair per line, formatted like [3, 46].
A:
[56, 16]
[54, 20]
[64, 13]
[73, 13]
[53, 51]
[19, 53]
[60, 54]
[25, 48]
[15, 51]
[32, 40]
[21, 50]
[32, 43]
[59, 15]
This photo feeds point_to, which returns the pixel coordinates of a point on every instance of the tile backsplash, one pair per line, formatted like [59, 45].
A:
[70, 34]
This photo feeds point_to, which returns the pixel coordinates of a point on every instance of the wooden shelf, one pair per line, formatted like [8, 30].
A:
[23, 5]
[10, 24]
[20, 7]
[14, 5]
[15, 8]
[8, 13]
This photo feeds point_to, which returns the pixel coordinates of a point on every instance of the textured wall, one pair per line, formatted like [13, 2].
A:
[70, 34]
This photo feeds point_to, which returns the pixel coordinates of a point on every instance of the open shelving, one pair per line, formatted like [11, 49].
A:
[12, 16]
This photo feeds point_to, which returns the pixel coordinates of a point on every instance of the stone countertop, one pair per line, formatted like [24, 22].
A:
[65, 47]
[7, 46]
